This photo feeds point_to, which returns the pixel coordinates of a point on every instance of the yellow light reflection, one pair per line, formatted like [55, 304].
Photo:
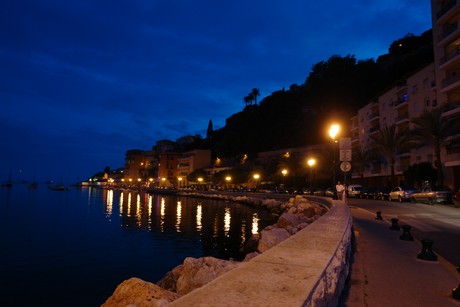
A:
[129, 205]
[243, 231]
[108, 210]
[178, 215]
[138, 210]
[255, 224]
[199, 216]
[162, 214]
[150, 205]
[121, 204]
[227, 218]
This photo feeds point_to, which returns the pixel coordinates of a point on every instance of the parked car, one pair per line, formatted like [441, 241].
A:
[329, 192]
[367, 193]
[401, 194]
[354, 190]
[319, 192]
[433, 194]
[382, 193]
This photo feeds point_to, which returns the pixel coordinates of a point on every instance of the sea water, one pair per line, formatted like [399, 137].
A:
[72, 248]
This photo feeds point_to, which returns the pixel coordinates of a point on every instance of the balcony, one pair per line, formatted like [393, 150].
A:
[452, 108]
[446, 8]
[373, 115]
[450, 56]
[451, 82]
[402, 117]
[448, 30]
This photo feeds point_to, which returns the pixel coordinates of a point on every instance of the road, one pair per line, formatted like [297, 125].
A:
[439, 223]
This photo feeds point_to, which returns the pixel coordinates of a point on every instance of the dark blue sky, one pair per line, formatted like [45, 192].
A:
[83, 81]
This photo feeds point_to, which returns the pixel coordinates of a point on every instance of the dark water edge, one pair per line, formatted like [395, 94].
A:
[72, 248]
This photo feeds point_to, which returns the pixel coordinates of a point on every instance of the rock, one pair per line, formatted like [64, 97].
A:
[169, 281]
[136, 292]
[250, 256]
[270, 236]
[197, 272]
[291, 219]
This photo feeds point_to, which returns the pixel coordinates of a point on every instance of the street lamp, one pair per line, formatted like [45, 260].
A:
[284, 172]
[256, 178]
[333, 132]
[228, 179]
[311, 162]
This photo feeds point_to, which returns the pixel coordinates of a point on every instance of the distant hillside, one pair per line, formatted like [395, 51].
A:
[334, 89]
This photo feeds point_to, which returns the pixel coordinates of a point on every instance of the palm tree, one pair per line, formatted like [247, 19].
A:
[255, 93]
[432, 130]
[362, 157]
[247, 100]
[388, 143]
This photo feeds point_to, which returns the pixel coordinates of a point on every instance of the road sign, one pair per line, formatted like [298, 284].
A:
[345, 155]
[345, 143]
[345, 166]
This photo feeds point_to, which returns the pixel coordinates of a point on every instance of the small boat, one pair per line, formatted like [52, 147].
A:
[33, 185]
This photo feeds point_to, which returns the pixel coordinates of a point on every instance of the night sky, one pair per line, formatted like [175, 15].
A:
[83, 81]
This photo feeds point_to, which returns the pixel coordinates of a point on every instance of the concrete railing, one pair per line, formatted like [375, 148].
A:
[307, 269]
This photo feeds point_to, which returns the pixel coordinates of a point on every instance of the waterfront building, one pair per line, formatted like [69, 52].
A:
[436, 85]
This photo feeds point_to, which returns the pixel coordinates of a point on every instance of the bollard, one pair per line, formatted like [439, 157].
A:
[394, 224]
[456, 291]
[427, 253]
[379, 215]
[406, 235]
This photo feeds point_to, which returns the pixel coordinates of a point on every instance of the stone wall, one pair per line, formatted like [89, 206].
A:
[307, 267]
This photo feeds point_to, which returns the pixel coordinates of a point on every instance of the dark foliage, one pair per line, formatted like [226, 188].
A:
[334, 89]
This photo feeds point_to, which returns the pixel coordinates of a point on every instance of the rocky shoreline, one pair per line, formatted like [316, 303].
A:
[294, 215]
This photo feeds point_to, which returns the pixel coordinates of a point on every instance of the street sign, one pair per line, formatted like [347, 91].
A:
[345, 155]
[345, 166]
[345, 143]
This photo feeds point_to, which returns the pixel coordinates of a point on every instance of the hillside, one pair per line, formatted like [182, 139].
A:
[334, 89]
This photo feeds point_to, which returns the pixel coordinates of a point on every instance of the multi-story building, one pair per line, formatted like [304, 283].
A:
[446, 44]
[191, 161]
[434, 86]
[397, 106]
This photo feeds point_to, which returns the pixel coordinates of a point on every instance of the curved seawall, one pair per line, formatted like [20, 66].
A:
[307, 269]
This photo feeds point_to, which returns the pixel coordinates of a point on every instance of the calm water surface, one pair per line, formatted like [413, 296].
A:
[72, 248]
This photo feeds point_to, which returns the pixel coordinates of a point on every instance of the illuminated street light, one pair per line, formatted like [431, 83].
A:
[256, 178]
[333, 132]
[284, 172]
[311, 162]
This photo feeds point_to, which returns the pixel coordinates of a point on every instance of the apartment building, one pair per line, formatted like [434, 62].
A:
[190, 161]
[435, 85]
[446, 43]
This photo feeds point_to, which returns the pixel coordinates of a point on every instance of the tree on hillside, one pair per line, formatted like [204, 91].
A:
[387, 143]
[432, 130]
[248, 99]
[210, 130]
[255, 93]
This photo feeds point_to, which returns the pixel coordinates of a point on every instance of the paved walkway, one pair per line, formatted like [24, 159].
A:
[386, 270]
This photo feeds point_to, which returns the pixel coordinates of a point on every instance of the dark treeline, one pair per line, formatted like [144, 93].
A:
[334, 89]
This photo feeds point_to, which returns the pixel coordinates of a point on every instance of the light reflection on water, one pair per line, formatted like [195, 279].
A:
[91, 240]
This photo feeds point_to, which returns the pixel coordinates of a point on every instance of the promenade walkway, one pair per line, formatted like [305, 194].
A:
[386, 270]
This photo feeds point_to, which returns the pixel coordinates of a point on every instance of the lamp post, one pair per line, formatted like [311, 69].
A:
[228, 179]
[311, 162]
[256, 178]
[333, 132]
[284, 172]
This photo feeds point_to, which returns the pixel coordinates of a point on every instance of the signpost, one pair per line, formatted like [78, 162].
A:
[345, 158]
